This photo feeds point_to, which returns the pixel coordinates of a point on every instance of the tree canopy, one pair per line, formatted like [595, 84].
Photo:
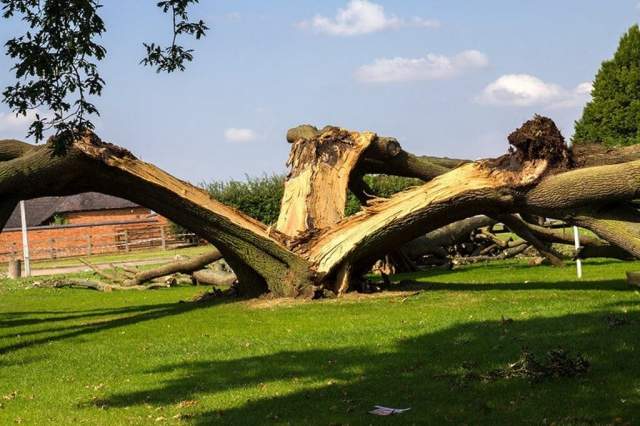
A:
[56, 60]
[612, 117]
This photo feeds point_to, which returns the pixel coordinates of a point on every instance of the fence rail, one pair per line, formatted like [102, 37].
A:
[91, 241]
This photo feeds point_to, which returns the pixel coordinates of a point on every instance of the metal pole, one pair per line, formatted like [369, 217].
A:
[25, 241]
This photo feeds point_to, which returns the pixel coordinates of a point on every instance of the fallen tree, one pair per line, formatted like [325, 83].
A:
[314, 248]
[187, 266]
[127, 278]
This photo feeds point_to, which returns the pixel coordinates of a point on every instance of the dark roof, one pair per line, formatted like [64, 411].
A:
[40, 210]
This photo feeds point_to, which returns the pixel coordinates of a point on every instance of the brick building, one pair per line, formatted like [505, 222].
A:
[82, 224]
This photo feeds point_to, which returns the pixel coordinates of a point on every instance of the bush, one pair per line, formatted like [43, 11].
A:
[260, 197]
[382, 186]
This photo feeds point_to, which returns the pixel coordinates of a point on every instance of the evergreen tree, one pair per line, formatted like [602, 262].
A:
[612, 117]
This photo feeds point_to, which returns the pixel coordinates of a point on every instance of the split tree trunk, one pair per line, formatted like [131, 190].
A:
[310, 251]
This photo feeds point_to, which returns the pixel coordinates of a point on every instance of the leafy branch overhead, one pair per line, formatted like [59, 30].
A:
[173, 57]
[56, 61]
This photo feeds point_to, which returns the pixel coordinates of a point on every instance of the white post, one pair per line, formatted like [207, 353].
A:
[576, 239]
[25, 241]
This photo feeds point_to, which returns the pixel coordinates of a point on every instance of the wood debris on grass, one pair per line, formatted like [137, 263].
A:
[554, 364]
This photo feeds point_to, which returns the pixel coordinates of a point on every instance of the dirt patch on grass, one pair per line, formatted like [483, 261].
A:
[269, 303]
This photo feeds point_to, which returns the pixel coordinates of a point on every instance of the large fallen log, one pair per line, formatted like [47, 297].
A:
[539, 176]
[187, 266]
[436, 241]
[95, 285]
[125, 277]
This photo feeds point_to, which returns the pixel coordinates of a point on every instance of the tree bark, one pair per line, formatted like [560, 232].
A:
[539, 177]
[448, 235]
[520, 228]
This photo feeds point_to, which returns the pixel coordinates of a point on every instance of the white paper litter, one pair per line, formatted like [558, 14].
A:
[380, 410]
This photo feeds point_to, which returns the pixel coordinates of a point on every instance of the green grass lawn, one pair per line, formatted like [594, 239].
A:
[82, 357]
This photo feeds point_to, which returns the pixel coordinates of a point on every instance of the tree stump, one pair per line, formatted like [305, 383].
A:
[15, 269]
[633, 278]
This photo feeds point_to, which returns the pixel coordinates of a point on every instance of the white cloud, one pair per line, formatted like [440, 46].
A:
[9, 121]
[233, 134]
[527, 90]
[430, 67]
[363, 17]
[12, 125]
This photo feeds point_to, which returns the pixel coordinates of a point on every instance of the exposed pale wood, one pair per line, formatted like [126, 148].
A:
[458, 193]
[260, 260]
[157, 177]
[343, 279]
[315, 191]
[413, 210]
[218, 278]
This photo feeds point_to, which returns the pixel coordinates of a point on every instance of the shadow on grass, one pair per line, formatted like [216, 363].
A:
[132, 315]
[19, 319]
[425, 372]
[603, 285]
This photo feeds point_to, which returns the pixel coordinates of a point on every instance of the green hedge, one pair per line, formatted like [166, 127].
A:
[259, 197]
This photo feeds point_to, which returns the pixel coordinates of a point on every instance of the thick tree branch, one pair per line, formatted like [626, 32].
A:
[178, 267]
[618, 224]
[260, 260]
[11, 148]
[521, 229]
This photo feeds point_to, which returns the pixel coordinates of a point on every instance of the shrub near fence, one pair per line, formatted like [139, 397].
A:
[52, 242]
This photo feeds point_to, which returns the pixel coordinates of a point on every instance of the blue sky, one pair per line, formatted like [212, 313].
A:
[444, 77]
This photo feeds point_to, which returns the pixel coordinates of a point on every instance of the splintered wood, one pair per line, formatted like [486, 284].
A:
[332, 247]
[316, 189]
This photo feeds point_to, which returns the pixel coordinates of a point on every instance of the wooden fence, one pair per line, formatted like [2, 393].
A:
[54, 242]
